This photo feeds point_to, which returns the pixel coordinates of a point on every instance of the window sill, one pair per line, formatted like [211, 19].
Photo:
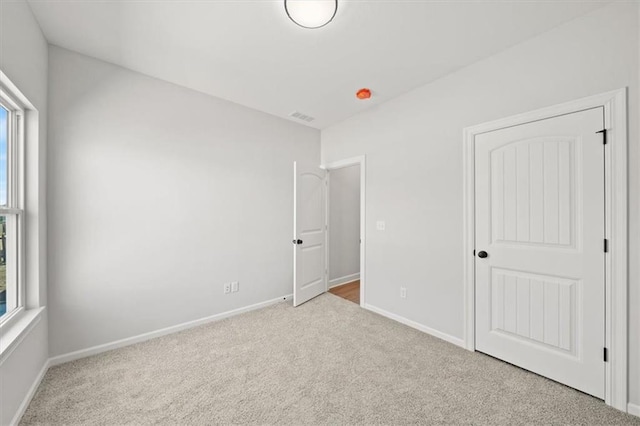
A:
[16, 330]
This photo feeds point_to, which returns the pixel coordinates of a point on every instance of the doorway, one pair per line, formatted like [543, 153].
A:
[311, 237]
[343, 232]
[349, 232]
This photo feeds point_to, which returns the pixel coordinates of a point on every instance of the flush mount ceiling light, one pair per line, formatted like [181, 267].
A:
[311, 13]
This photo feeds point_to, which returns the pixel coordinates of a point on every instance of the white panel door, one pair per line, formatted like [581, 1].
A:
[540, 221]
[309, 263]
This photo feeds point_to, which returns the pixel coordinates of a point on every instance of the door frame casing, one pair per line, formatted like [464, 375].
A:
[353, 161]
[616, 269]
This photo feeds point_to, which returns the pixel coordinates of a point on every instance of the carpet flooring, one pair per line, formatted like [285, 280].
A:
[325, 362]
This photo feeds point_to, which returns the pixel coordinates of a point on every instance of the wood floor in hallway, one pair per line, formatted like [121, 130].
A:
[349, 291]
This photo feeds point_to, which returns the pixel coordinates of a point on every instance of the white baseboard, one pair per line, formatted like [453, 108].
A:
[72, 356]
[440, 335]
[633, 409]
[29, 396]
[344, 280]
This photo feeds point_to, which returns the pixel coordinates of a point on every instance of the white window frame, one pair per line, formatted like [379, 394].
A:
[15, 200]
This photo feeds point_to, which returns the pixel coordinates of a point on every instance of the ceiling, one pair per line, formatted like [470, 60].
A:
[250, 53]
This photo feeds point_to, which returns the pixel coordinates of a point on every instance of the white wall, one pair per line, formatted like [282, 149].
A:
[23, 58]
[344, 223]
[158, 195]
[414, 160]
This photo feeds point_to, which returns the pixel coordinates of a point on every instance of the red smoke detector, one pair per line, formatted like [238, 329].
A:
[363, 94]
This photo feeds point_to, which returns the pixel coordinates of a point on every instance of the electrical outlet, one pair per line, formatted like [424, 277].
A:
[234, 287]
[403, 292]
[380, 225]
[227, 288]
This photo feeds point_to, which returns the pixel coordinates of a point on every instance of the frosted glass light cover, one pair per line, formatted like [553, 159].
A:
[311, 13]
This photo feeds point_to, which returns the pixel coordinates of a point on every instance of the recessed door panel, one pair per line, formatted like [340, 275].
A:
[537, 309]
[533, 189]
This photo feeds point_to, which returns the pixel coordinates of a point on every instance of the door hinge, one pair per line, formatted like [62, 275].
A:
[605, 354]
[606, 245]
[604, 136]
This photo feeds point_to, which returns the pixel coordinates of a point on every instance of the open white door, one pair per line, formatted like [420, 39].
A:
[309, 227]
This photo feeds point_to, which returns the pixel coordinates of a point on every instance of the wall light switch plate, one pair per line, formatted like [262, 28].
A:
[234, 286]
[380, 225]
[403, 292]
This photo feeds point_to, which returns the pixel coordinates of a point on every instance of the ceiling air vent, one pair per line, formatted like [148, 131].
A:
[301, 116]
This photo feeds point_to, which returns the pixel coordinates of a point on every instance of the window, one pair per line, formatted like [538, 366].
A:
[11, 285]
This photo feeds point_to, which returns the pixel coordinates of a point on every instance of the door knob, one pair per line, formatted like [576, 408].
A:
[482, 254]
[297, 241]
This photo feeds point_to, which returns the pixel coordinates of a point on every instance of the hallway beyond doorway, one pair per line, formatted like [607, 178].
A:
[349, 291]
